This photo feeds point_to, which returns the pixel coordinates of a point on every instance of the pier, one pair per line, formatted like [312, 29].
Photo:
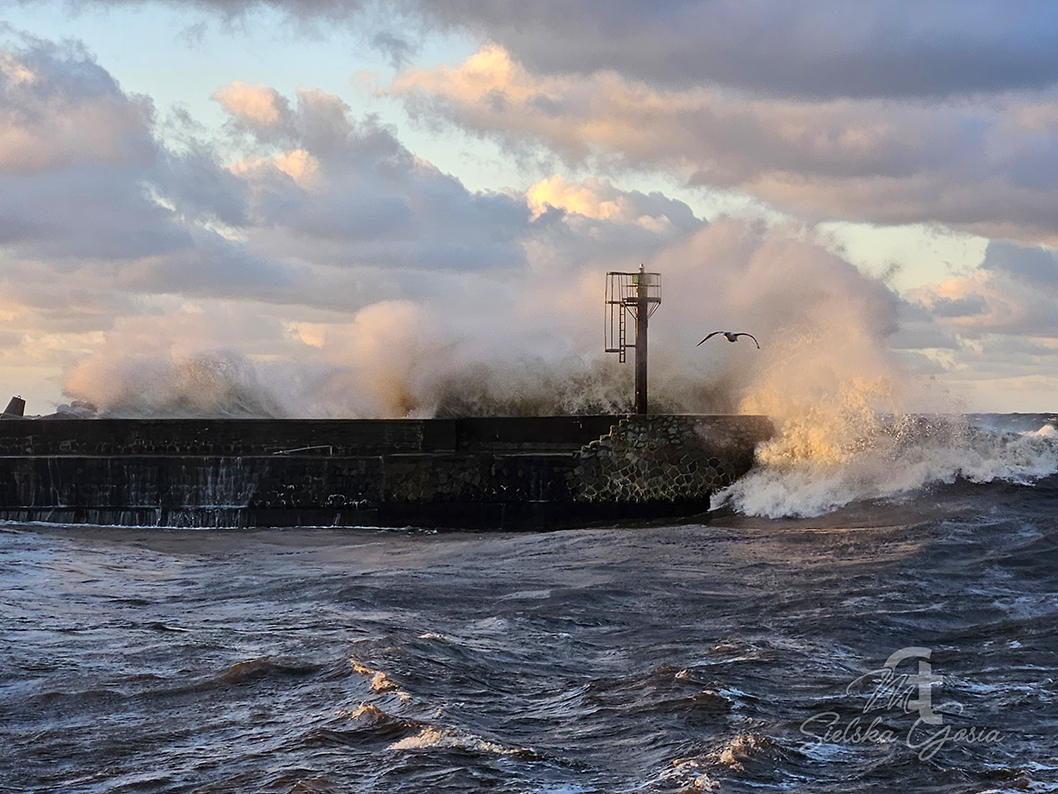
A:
[483, 473]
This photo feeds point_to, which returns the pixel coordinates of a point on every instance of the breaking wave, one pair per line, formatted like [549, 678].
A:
[814, 468]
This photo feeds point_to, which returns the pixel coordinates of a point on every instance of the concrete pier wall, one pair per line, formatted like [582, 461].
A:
[523, 472]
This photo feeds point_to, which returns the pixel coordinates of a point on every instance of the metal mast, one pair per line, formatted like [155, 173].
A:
[638, 294]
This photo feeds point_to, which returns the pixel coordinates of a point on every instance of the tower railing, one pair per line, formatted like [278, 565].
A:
[637, 295]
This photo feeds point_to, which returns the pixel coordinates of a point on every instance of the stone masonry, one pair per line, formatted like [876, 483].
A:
[491, 472]
[665, 458]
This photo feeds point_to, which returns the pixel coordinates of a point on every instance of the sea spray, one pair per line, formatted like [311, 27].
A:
[526, 342]
[212, 383]
[853, 425]
[811, 469]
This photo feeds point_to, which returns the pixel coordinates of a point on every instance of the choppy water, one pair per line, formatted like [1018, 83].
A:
[657, 659]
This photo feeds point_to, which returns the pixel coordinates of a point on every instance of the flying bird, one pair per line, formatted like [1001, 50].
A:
[731, 336]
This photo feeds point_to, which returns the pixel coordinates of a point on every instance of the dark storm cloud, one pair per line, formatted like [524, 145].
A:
[817, 48]
[820, 48]
[306, 9]
[211, 267]
[920, 338]
[959, 307]
[84, 212]
[1031, 263]
[199, 187]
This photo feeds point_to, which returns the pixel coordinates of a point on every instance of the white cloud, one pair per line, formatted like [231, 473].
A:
[58, 108]
[258, 107]
[1015, 292]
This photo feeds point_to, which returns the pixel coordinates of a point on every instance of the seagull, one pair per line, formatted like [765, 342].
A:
[731, 336]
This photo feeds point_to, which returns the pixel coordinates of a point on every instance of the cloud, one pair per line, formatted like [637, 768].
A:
[1034, 264]
[299, 260]
[304, 9]
[257, 108]
[598, 199]
[819, 109]
[821, 48]
[816, 48]
[912, 336]
[983, 168]
[397, 48]
[57, 107]
[992, 302]
[95, 200]
[174, 257]
[316, 193]
[80, 203]
[1004, 317]
[349, 194]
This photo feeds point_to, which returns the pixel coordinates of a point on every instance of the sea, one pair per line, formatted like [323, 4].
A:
[883, 621]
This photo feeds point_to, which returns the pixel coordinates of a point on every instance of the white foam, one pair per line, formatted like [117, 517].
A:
[884, 458]
[1047, 431]
[430, 737]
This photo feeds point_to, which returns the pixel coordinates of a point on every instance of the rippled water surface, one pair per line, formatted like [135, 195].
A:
[662, 658]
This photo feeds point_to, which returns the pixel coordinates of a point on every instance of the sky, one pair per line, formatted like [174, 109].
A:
[405, 208]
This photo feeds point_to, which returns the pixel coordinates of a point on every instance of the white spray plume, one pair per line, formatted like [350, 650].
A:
[531, 344]
[218, 383]
[846, 432]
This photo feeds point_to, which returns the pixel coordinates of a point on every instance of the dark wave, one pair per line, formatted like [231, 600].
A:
[655, 659]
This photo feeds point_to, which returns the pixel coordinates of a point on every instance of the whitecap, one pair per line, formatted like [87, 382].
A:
[808, 470]
[1047, 431]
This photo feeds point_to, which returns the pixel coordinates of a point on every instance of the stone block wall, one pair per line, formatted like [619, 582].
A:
[506, 472]
[666, 458]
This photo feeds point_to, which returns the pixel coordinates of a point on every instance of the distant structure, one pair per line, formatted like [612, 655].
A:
[16, 409]
[638, 295]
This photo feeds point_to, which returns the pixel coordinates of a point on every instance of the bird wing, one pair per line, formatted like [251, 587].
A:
[714, 333]
[751, 336]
